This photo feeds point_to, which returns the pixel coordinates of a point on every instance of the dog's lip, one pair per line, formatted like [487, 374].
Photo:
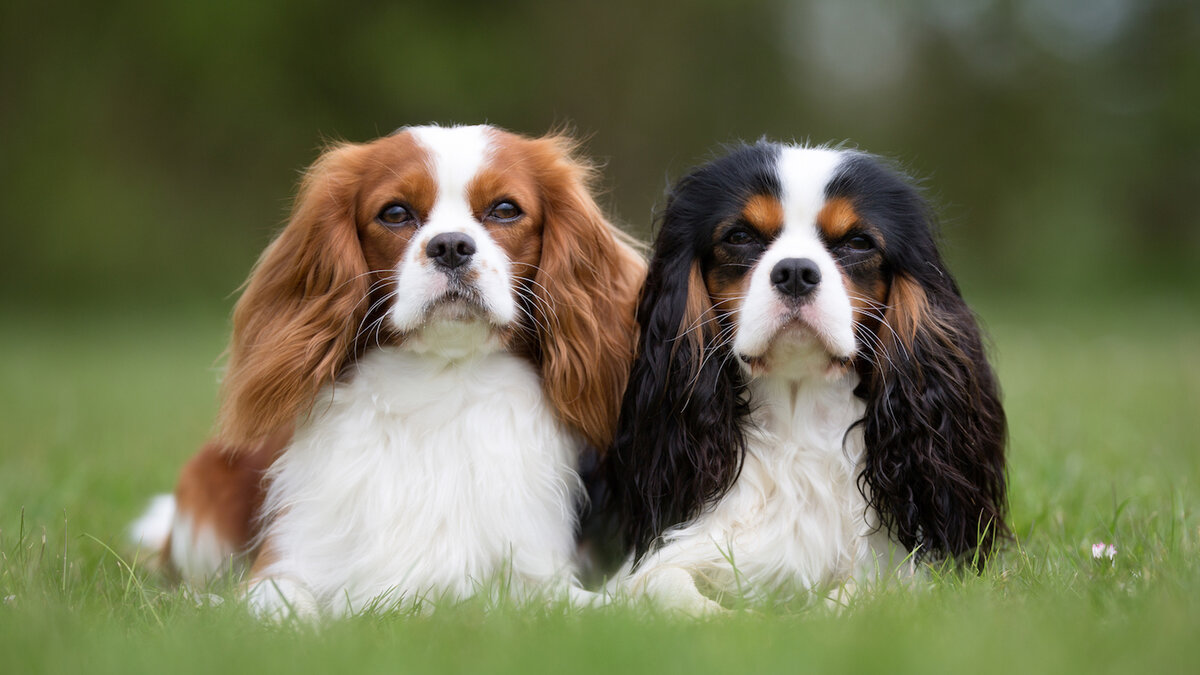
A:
[797, 323]
[457, 291]
[791, 327]
[451, 297]
[462, 303]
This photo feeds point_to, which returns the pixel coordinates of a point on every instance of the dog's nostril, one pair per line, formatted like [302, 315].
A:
[810, 274]
[465, 247]
[450, 249]
[795, 277]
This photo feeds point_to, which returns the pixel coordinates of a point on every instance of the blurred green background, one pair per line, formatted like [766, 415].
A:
[149, 150]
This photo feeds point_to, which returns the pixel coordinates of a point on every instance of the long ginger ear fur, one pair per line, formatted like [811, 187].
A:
[295, 324]
[935, 428]
[588, 279]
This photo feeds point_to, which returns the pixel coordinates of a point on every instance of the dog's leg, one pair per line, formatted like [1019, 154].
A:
[674, 588]
[279, 599]
[205, 529]
[581, 598]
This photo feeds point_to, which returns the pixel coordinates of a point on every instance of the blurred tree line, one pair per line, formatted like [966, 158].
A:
[149, 150]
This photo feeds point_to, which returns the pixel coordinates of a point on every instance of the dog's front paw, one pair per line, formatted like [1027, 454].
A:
[674, 589]
[280, 599]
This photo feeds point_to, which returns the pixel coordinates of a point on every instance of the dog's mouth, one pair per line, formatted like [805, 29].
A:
[454, 324]
[797, 345]
[457, 303]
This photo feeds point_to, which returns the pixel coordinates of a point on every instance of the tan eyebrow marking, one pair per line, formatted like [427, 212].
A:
[765, 214]
[836, 218]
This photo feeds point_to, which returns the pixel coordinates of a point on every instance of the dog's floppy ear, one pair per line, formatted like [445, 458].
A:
[295, 324]
[679, 441]
[586, 289]
[934, 428]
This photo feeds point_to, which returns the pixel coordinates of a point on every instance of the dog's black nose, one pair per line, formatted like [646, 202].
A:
[450, 249]
[795, 277]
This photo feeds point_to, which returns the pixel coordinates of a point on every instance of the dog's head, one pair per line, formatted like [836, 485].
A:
[439, 240]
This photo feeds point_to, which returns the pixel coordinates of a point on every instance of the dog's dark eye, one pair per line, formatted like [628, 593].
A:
[504, 212]
[395, 215]
[738, 237]
[860, 242]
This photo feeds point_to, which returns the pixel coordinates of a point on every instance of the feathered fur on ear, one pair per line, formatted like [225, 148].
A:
[295, 324]
[680, 440]
[588, 279]
[934, 428]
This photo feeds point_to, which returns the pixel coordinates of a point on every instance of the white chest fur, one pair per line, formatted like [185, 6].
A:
[795, 519]
[424, 477]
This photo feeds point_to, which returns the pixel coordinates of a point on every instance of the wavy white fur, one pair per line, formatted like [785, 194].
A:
[436, 470]
[794, 519]
[151, 530]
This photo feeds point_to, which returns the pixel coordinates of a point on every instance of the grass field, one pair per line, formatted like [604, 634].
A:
[98, 413]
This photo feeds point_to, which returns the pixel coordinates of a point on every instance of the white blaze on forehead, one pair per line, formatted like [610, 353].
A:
[456, 154]
[803, 174]
[455, 157]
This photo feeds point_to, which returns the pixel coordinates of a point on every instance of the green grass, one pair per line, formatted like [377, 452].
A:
[97, 414]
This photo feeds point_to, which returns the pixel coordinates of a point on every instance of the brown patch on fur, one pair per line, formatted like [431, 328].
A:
[264, 558]
[223, 490]
[868, 298]
[395, 169]
[511, 175]
[295, 326]
[699, 322]
[836, 218]
[765, 214]
[908, 310]
[727, 291]
[911, 314]
[724, 286]
[862, 275]
[586, 281]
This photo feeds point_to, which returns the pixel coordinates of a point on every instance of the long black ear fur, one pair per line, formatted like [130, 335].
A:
[935, 428]
[935, 435]
[679, 441]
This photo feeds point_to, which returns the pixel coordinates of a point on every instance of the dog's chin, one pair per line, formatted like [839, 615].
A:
[457, 307]
[796, 350]
[454, 326]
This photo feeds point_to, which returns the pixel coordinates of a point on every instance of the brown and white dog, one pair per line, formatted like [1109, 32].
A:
[417, 362]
